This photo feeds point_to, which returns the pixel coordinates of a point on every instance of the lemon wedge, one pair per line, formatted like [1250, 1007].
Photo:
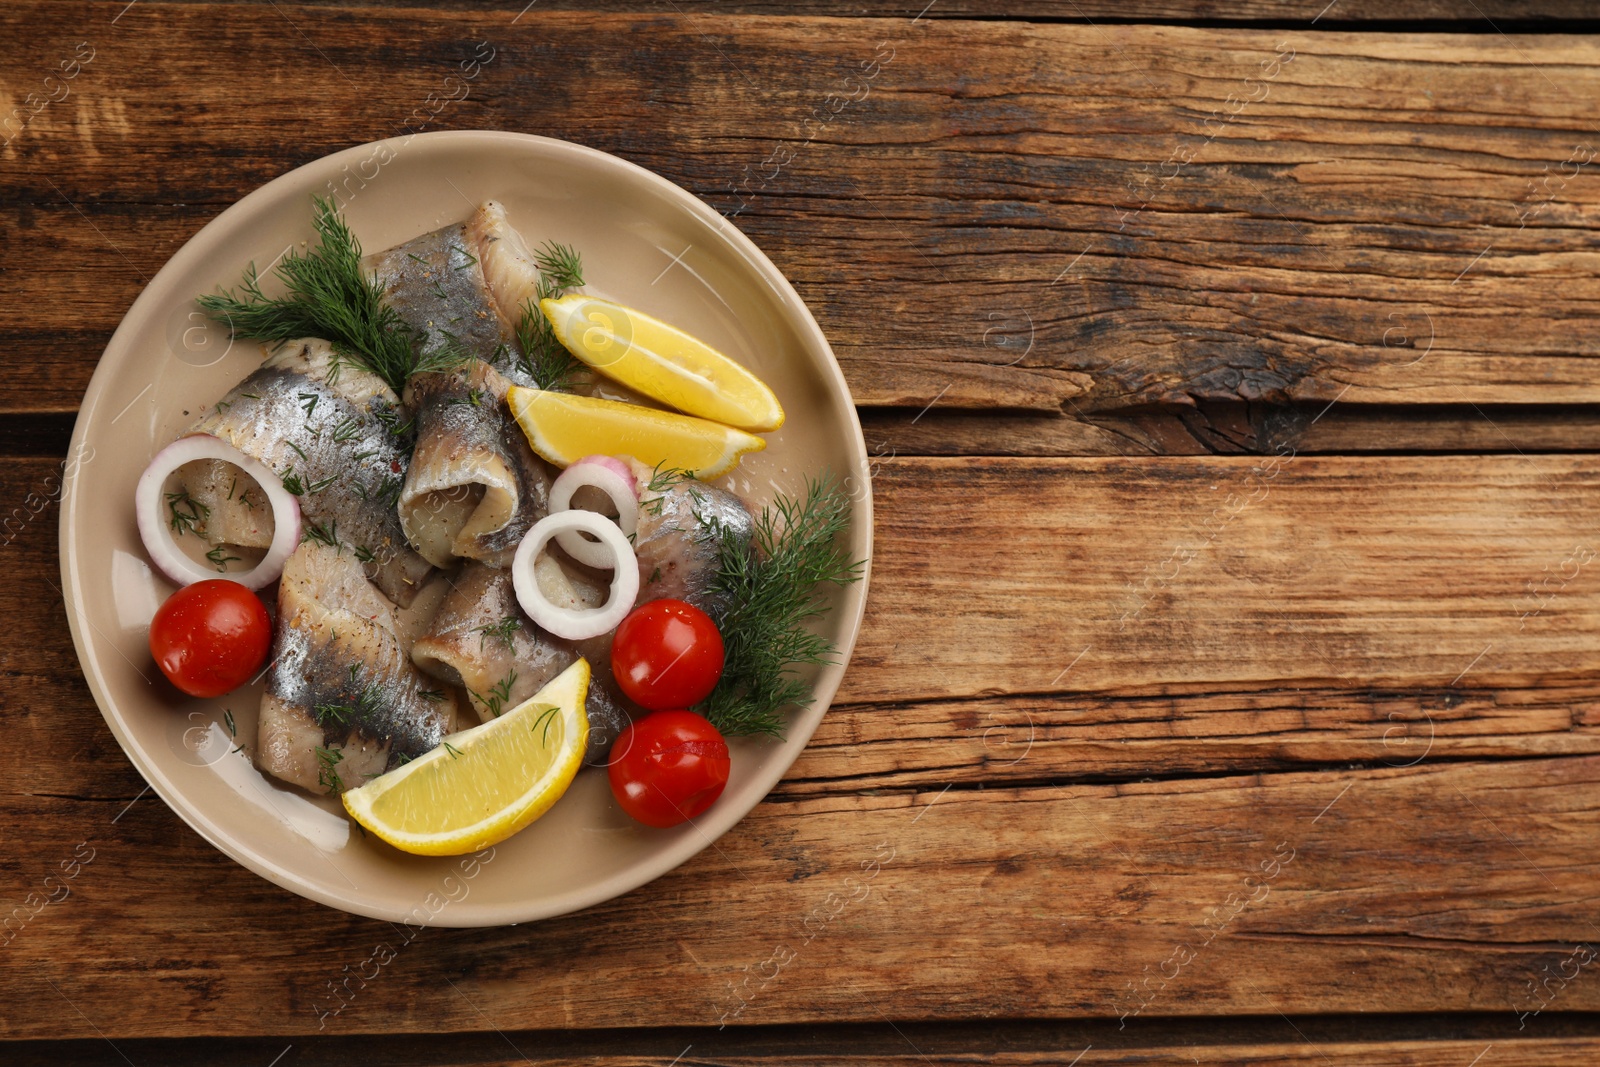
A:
[662, 362]
[563, 428]
[484, 784]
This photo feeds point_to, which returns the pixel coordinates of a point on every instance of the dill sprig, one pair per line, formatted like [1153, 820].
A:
[496, 700]
[445, 354]
[662, 479]
[220, 559]
[505, 630]
[770, 587]
[185, 514]
[327, 776]
[328, 296]
[323, 535]
[543, 358]
[546, 719]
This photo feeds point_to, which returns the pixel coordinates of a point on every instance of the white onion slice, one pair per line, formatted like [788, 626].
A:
[576, 624]
[163, 547]
[613, 478]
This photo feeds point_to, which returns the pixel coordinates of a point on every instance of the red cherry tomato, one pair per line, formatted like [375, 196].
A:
[667, 654]
[668, 767]
[211, 637]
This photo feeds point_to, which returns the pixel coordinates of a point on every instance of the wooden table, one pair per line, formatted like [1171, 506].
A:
[1230, 685]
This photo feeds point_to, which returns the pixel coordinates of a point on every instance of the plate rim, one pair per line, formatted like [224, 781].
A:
[802, 725]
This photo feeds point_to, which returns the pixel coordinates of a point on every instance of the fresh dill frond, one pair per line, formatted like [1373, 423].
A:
[227, 715]
[292, 483]
[308, 403]
[347, 430]
[446, 354]
[770, 587]
[327, 776]
[560, 265]
[505, 629]
[472, 398]
[321, 483]
[365, 554]
[455, 753]
[496, 700]
[339, 714]
[329, 296]
[388, 492]
[185, 514]
[324, 535]
[547, 719]
[433, 696]
[219, 560]
[367, 703]
[542, 357]
[662, 479]
[390, 418]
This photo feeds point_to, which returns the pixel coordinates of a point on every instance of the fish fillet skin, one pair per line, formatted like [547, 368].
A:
[341, 680]
[679, 540]
[474, 487]
[469, 644]
[315, 419]
[435, 284]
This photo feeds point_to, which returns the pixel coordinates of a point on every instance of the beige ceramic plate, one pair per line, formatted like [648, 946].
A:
[645, 242]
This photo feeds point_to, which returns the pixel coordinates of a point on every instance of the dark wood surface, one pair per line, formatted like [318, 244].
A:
[1234, 519]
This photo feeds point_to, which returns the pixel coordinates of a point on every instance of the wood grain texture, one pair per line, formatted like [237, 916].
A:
[1446, 1041]
[1172, 574]
[1439, 836]
[936, 222]
[1236, 428]
[1484, 13]
[1426, 888]
[901, 1046]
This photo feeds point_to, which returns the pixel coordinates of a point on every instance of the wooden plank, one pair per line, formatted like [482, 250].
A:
[1234, 428]
[1364, 611]
[1255, 264]
[1446, 1041]
[1046, 901]
[1471, 880]
[1006, 1043]
[1177, 574]
[1514, 12]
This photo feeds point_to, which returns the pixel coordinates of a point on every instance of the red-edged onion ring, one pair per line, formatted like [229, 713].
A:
[163, 547]
[613, 478]
[575, 624]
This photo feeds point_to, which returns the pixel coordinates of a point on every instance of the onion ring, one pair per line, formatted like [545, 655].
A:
[172, 560]
[613, 478]
[572, 623]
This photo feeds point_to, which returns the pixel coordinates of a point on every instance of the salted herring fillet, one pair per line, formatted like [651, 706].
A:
[328, 428]
[343, 702]
[679, 541]
[474, 487]
[479, 640]
[464, 285]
